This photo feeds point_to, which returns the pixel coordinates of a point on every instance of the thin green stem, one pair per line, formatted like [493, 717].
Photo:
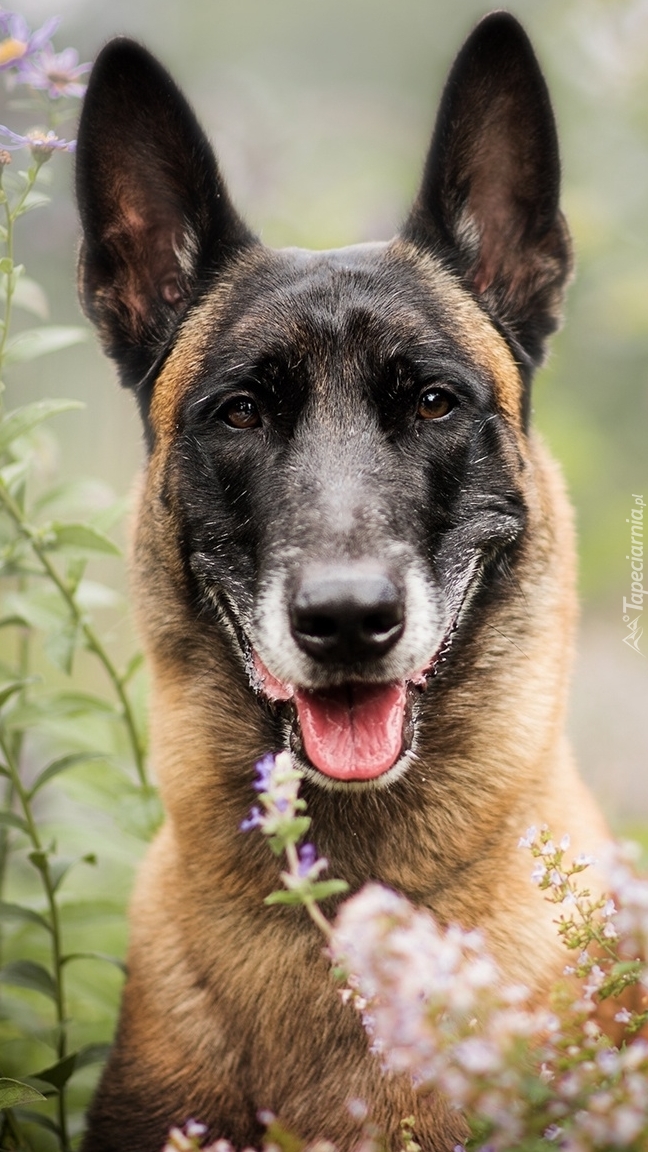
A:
[11, 214]
[55, 923]
[7, 804]
[311, 906]
[92, 640]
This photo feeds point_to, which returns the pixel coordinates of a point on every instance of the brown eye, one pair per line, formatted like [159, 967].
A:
[435, 404]
[241, 412]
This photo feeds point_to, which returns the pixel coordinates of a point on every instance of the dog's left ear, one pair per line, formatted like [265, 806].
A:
[157, 220]
[489, 199]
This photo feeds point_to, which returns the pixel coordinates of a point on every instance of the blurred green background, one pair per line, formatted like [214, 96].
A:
[321, 112]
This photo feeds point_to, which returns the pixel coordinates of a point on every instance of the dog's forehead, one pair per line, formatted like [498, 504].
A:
[382, 297]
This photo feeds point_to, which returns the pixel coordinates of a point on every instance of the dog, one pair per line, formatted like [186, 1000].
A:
[350, 544]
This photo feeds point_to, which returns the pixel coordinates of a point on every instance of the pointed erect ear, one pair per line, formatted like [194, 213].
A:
[157, 220]
[489, 200]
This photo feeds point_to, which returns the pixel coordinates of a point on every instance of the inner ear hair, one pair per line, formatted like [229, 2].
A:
[489, 198]
[157, 219]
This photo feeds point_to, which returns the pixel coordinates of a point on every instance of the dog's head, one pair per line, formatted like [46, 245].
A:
[337, 440]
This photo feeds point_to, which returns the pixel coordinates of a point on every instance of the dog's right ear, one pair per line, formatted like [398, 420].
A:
[156, 217]
[489, 199]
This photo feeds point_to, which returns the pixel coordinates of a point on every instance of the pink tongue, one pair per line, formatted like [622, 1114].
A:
[354, 732]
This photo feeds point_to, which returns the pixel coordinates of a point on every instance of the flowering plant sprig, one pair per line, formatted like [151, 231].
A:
[435, 1006]
[45, 608]
[279, 819]
[611, 942]
[54, 82]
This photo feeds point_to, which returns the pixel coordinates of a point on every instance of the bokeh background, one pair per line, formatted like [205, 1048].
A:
[321, 112]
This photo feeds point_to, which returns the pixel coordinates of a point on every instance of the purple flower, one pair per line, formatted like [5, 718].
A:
[264, 769]
[18, 43]
[307, 857]
[40, 142]
[254, 820]
[57, 73]
[277, 783]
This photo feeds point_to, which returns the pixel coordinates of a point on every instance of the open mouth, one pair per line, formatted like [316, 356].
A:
[354, 732]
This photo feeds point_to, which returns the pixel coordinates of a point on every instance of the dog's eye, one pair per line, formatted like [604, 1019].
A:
[241, 412]
[435, 404]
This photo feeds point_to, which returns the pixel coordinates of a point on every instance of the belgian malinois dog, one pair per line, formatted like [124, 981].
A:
[350, 544]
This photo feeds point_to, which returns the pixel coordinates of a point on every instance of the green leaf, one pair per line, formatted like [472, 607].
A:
[58, 704]
[75, 499]
[92, 1054]
[14, 475]
[9, 690]
[28, 974]
[140, 813]
[41, 607]
[6, 265]
[59, 868]
[28, 1116]
[29, 296]
[324, 888]
[133, 666]
[22, 420]
[58, 1074]
[14, 1092]
[82, 537]
[11, 820]
[61, 645]
[33, 200]
[27, 915]
[39, 859]
[61, 765]
[90, 595]
[74, 570]
[40, 341]
[317, 891]
[298, 827]
[284, 897]
[114, 960]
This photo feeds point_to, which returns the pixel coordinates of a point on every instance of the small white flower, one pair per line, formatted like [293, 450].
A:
[194, 1129]
[528, 840]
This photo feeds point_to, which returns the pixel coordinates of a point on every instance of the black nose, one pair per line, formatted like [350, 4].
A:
[345, 613]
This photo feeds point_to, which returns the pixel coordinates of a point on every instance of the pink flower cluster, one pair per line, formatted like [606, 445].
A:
[435, 1006]
[631, 919]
